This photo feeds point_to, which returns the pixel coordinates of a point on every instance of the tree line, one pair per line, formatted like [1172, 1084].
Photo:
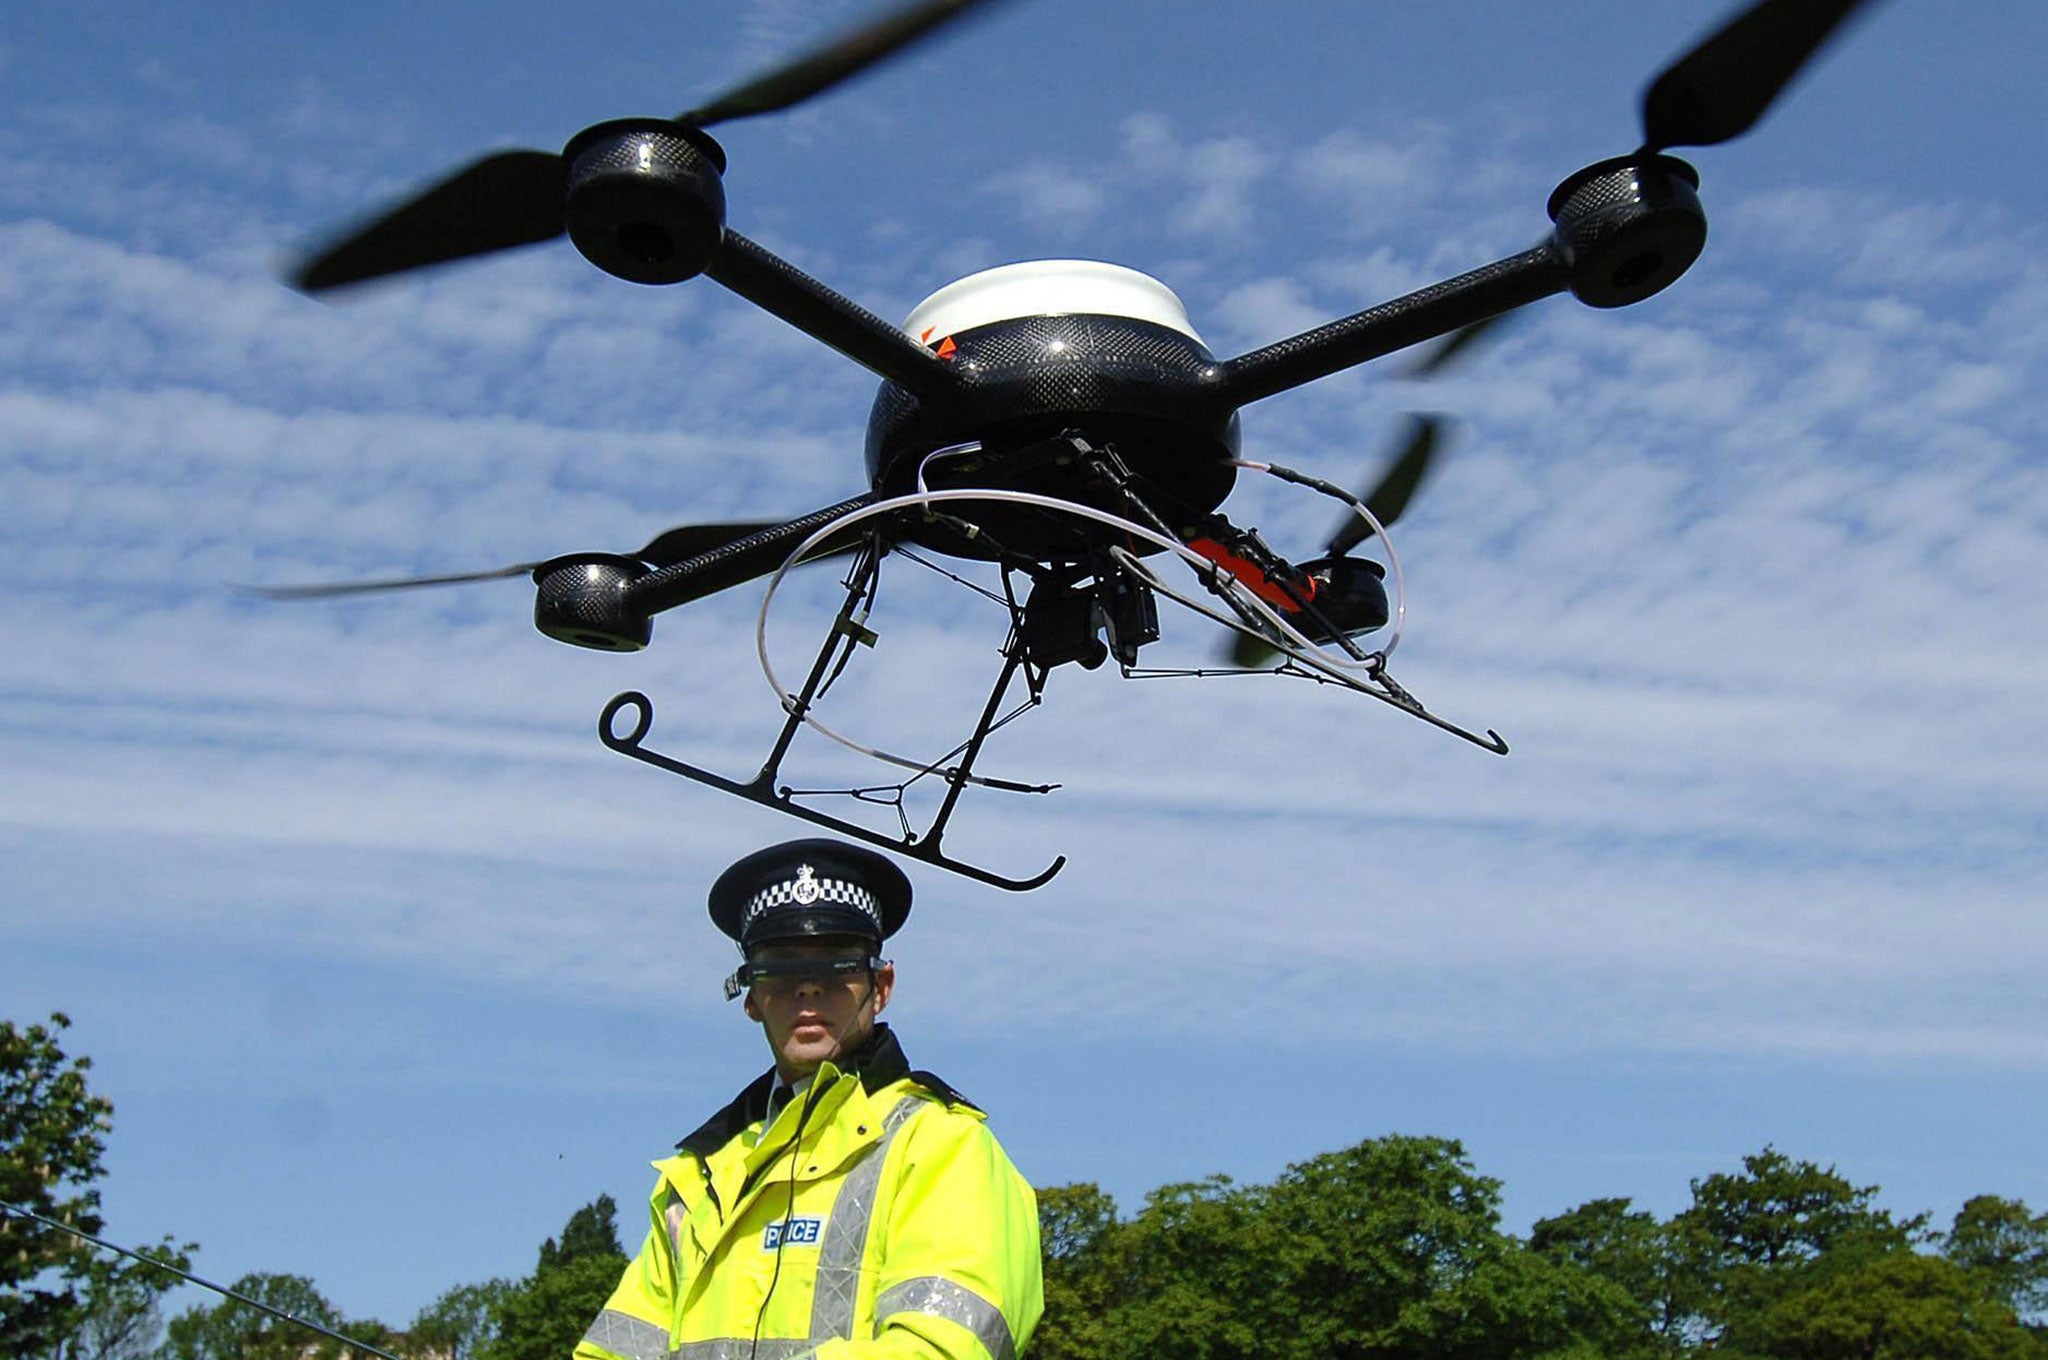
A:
[1393, 1249]
[1386, 1250]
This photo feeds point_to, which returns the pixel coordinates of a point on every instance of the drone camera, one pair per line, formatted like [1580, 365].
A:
[581, 600]
[1629, 227]
[646, 198]
[1059, 625]
[1130, 614]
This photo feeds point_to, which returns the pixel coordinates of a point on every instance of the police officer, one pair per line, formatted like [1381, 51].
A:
[843, 1203]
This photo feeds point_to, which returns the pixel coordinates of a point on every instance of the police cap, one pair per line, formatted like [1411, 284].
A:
[810, 888]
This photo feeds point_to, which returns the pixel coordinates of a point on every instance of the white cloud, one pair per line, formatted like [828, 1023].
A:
[1881, 242]
[1746, 575]
[1213, 178]
[1051, 197]
[1375, 181]
[1262, 311]
[1743, 575]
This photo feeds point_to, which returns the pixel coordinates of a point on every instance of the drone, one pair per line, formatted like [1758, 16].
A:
[1059, 421]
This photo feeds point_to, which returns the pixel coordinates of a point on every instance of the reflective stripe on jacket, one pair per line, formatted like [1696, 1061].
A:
[893, 1228]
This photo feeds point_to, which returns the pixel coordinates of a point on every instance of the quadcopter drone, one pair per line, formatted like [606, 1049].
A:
[1060, 420]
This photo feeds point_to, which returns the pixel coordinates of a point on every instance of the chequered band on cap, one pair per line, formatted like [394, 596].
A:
[807, 889]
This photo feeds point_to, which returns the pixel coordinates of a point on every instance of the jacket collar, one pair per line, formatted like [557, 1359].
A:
[878, 1063]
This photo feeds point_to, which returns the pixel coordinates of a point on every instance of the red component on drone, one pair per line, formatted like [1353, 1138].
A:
[1255, 579]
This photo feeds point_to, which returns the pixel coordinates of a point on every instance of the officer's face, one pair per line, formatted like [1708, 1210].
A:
[810, 1016]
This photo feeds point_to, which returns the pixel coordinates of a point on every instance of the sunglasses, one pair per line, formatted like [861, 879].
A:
[781, 976]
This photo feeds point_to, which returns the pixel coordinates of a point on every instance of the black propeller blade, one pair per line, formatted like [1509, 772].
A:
[1449, 349]
[1389, 497]
[829, 63]
[687, 540]
[1717, 91]
[1396, 486]
[1402, 476]
[1248, 653]
[380, 585]
[665, 548]
[515, 198]
[1427, 431]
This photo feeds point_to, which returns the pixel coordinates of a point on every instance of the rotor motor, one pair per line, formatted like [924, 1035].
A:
[1349, 592]
[646, 198]
[581, 600]
[1629, 227]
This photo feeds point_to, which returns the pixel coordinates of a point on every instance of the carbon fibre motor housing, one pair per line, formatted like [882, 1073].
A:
[646, 201]
[580, 599]
[1628, 227]
[1142, 388]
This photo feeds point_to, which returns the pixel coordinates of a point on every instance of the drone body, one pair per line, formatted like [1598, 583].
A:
[1060, 418]
[1046, 347]
[996, 377]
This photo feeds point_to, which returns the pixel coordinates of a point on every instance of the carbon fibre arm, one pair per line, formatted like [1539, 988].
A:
[1424, 315]
[778, 287]
[730, 564]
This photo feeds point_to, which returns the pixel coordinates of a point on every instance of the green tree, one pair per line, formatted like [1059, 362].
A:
[1077, 1225]
[542, 1317]
[52, 1137]
[1517, 1303]
[1902, 1306]
[1188, 1258]
[230, 1330]
[2007, 1247]
[1393, 1248]
[120, 1316]
[460, 1323]
[1631, 1249]
[370, 1332]
[1387, 1250]
[1781, 1212]
[1749, 1240]
[591, 1231]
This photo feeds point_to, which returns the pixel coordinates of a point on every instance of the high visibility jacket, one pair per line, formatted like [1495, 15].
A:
[875, 1218]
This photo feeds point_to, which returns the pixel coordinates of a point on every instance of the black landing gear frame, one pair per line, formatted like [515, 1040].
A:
[846, 633]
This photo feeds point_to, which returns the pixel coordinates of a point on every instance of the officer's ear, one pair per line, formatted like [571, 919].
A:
[885, 983]
[747, 1004]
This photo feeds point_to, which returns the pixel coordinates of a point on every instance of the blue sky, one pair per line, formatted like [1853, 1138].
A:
[388, 965]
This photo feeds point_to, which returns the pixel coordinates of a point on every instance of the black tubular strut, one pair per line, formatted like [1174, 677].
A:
[729, 564]
[781, 289]
[1423, 315]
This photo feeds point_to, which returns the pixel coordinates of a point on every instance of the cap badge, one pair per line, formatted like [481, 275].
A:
[805, 890]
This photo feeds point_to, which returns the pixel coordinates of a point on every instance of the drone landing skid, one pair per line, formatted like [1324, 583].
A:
[762, 789]
[847, 632]
[1384, 688]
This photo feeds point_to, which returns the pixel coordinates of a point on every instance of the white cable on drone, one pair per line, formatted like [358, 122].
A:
[782, 695]
[923, 499]
[1308, 651]
[1300, 642]
[1137, 566]
[950, 451]
[1365, 513]
[1205, 568]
